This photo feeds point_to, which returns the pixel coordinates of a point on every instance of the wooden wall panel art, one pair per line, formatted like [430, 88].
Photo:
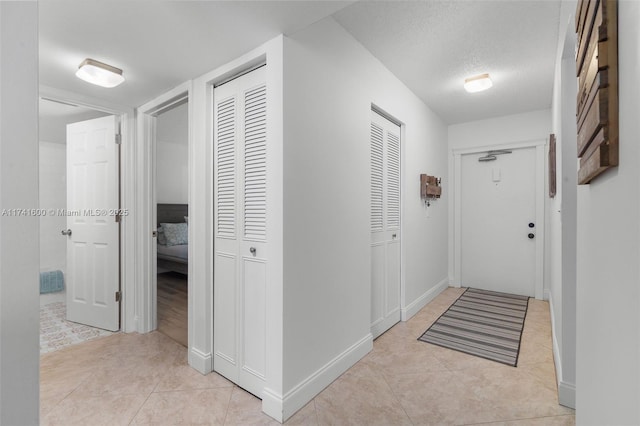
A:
[552, 166]
[597, 72]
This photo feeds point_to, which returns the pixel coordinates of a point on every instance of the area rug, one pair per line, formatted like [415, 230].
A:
[483, 323]
[56, 332]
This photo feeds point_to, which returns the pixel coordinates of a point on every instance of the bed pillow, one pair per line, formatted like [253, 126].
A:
[176, 233]
[162, 239]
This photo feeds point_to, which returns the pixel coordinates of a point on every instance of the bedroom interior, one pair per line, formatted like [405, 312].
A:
[172, 211]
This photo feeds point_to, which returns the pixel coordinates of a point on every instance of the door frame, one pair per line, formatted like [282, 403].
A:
[404, 316]
[146, 212]
[126, 259]
[540, 179]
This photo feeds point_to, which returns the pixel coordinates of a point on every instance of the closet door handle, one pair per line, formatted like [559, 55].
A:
[252, 250]
[66, 232]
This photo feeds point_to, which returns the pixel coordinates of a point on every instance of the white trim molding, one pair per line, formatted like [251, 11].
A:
[283, 407]
[455, 233]
[414, 307]
[566, 390]
[567, 394]
[200, 361]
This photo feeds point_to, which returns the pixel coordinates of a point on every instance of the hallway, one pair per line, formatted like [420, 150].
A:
[144, 379]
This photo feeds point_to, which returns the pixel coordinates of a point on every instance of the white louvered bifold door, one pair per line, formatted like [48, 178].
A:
[385, 224]
[240, 227]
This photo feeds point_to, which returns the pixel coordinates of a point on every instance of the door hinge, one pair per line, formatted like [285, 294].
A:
[118, 296]
[118, 138]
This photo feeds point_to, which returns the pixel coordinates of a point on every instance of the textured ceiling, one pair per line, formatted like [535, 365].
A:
[159, 44]
[432, 46]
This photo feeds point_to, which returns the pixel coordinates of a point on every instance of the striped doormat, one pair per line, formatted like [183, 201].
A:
[483, 323]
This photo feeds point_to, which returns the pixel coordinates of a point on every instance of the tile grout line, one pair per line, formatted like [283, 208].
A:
[514, 420]
[226, 412]
[67, 395]
[397, 398]
[315, 410]
[144, 402]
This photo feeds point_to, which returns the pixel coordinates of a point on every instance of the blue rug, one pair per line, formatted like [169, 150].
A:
[51, 282]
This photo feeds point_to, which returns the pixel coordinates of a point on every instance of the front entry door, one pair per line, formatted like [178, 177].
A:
[385, 224]
[498, 225]
[93, 277]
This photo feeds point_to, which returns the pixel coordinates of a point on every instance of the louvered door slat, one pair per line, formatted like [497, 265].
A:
[226, 168]
[255, 164]
[376, 178]
[393, 181]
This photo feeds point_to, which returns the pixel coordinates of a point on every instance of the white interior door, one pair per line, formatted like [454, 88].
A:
[240, 223]
[93, 277]
[498, 225]
[385, 224]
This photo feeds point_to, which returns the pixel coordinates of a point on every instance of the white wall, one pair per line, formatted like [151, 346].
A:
[53, 195]
[523, 127]
[561, 236]
[53, 128]
[608, 288]
[172, 156]
[19, 315]
[330, 83]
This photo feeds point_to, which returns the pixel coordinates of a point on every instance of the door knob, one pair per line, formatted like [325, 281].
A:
[252, 250]
[66, 232]
[531, 235]
[531, 225]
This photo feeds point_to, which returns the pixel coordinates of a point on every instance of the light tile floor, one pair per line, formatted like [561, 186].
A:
[144, 379]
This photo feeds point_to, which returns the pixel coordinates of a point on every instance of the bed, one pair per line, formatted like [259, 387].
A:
[172, 257]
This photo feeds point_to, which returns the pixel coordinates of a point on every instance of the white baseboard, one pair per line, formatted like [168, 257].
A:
[200, 361]
[273, 404]
[281, 408]
[567, 394]
[554, 339]
[566, 391]
[414, 307]
[132, 326]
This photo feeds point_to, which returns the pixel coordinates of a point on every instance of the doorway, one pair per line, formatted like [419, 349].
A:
[499, 218]
[163, 128]
[172, 213]
[385, 223]
[73, 307]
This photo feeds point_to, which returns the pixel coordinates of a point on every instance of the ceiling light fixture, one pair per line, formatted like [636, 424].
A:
[477, 83]
[98, 73]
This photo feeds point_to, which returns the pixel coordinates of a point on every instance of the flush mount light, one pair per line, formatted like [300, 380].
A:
[477, 83]
[98, 73]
